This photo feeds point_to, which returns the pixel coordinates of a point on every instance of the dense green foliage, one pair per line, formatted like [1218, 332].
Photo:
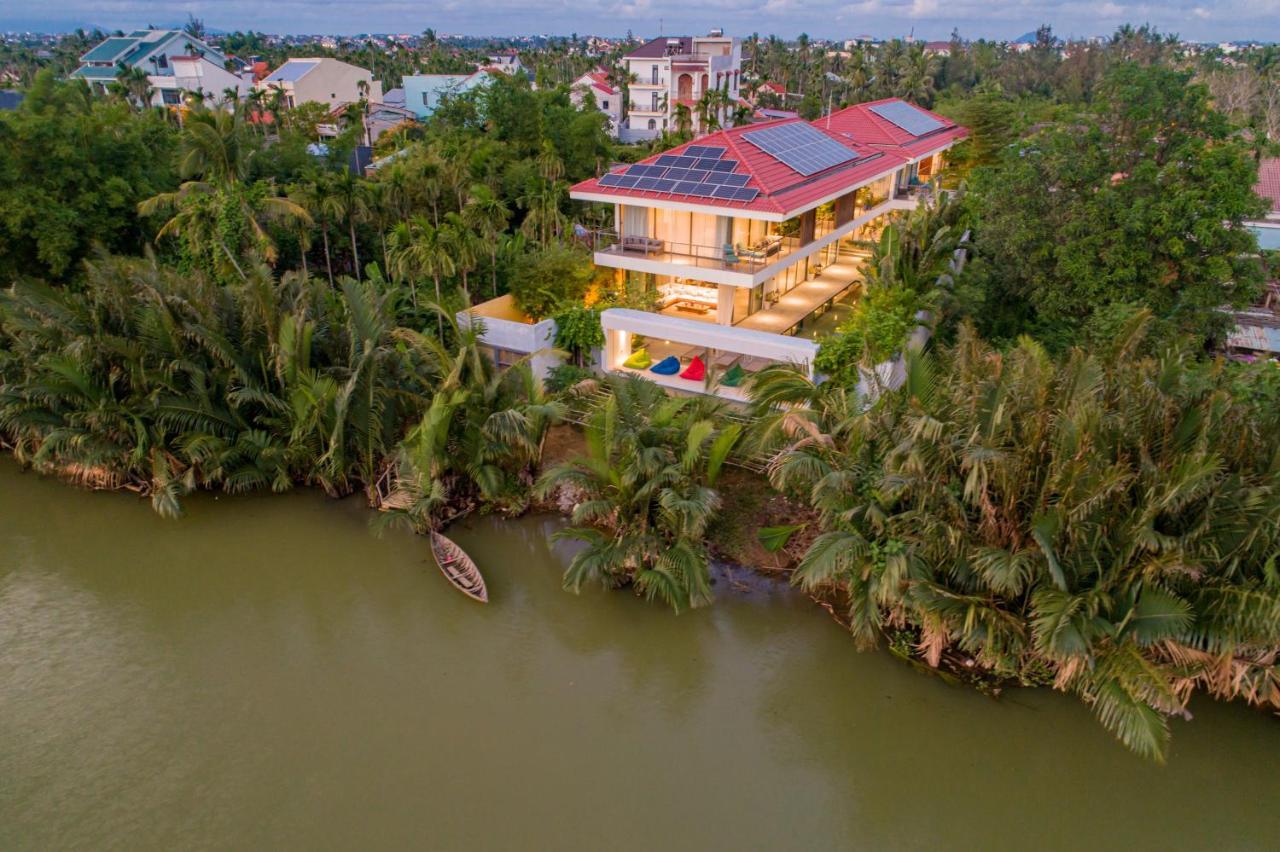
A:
[1138, 200]
[644, 493]
[1107, 521]
[72, 171]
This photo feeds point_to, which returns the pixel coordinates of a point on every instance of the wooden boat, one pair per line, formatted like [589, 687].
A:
[458, 568]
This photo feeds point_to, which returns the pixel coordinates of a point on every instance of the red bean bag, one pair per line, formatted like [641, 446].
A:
[697, 371]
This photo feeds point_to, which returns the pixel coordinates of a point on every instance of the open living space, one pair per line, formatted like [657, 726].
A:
[746, 240]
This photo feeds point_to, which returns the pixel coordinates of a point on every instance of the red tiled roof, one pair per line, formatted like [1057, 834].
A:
[776, 88]
[1269, 182]
[880, 145]
[600, 81]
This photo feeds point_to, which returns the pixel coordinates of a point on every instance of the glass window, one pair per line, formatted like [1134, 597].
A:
[653, 125]
[653, 74]
[162, 61]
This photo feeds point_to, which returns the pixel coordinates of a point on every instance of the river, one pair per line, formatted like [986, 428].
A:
[269, 672]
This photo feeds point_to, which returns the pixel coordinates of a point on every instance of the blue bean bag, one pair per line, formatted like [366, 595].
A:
[668, 366]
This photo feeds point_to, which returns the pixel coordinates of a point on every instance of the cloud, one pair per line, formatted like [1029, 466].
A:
[1229, 19]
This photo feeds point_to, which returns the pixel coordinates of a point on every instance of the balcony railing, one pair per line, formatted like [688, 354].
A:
[686, 254]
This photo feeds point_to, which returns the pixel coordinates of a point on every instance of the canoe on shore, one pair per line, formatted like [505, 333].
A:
[458, 568]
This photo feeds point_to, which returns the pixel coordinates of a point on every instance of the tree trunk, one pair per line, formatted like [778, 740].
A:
[355, 250]
[439, 319]
[328, 262]
[493, 270]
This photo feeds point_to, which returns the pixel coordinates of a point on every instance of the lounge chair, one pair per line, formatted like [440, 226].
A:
[696, 371]
[638, 360]
[668, 366]
[729, 255]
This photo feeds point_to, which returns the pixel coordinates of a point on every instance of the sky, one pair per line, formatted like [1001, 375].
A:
[1202, 20]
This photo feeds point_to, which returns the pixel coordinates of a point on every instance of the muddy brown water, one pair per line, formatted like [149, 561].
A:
[269, 673]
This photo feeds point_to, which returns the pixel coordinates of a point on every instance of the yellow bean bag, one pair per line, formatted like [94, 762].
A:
[639, 360]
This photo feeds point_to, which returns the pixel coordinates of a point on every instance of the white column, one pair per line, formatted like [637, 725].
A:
[724, 304]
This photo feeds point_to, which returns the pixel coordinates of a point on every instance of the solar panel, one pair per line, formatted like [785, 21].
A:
[704, 151]
[907, 117]
[801, 147]
[716, 178]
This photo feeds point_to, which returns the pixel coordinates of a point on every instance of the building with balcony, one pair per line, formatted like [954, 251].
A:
[174, 61]
[747, 238]
[678, 70]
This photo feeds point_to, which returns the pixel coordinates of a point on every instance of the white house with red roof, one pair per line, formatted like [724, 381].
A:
[607, 97]
[677, 70]
[745, 237]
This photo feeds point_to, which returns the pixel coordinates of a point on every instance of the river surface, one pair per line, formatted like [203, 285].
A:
[268, 672]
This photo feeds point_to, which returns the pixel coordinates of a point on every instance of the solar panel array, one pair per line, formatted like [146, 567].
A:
[907, 117]
[801, 147]
[699, 172]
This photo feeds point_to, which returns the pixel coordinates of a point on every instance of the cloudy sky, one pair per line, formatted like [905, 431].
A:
[1193, 19]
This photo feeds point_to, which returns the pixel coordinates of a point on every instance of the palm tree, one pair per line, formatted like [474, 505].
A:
[419, 249]
[136, 85]
[462, 245]
[644, 493]
[483, 430]
[486, 213]
[214, 159]
[1104, 523]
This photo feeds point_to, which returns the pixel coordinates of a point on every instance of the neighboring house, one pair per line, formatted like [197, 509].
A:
[1257, 331]
[668, 71]
[322, 80]
[174, 61]
[937, 48]
[608, 97]
[424, 92]
[747, 236]
[393, 97]
[506, 62]
[378, 119]
[10, 100]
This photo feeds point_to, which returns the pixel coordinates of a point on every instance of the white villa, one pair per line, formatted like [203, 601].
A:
[677, 70]
[174, 61]
[746, 239]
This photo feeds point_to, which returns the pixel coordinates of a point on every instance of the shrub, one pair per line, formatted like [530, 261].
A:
[876, 329]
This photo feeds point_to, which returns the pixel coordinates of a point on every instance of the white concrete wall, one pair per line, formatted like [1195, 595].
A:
[524, 338]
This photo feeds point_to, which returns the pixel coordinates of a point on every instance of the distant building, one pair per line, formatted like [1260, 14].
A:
[322, 80]
[175, 62]
[608, 97]
[677, 70]
[937, 48]
[10, 100]
[506, 62]
[423, 93]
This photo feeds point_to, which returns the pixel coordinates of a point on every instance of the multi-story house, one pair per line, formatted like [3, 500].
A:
[746, 237]
[676, 71]
[174, 61]
[744, 242]
[608, 97]
[322, 80]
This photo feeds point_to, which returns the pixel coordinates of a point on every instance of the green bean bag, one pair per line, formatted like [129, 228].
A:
[733, 376]
[638, 360]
